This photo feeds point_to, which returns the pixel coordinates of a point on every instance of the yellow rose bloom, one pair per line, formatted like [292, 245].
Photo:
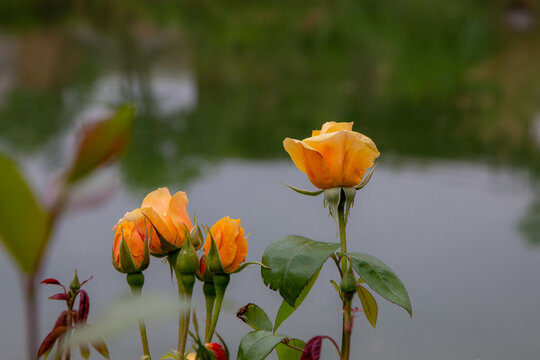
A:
[168, 214]
[230, 241]
[335, 156]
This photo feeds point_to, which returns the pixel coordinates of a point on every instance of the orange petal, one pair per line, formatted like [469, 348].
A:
[158, 200]
[136, 247]
[159, 225]
[227, 247]
[241, 250]
[179, 215]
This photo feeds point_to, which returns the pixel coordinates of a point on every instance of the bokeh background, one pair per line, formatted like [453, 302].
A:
[448, 90]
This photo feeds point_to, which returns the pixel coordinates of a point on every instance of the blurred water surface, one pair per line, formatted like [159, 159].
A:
[449, 93]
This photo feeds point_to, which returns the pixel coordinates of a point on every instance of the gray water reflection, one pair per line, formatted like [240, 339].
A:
[448, 230]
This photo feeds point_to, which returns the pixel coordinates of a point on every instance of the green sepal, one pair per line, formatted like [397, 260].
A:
[349, 194]
[213, 261]
[336, 197]
[336, 286]
[304, 192]
[244, 265]
[126, 260]
[366, 178]
[166, 246]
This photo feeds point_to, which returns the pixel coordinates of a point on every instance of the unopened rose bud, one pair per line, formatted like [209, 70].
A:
[348, 283]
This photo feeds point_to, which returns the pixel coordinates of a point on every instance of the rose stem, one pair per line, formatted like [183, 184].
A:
[136, 290]
[221, 281]
[347, 298]
[209, 291]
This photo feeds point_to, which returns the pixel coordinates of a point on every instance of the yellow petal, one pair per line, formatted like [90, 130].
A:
[295, 149]
[346, 154]
[158, 200]
[333, 126]
[309, 161]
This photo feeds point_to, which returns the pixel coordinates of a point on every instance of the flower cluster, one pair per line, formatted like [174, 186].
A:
[162, 227]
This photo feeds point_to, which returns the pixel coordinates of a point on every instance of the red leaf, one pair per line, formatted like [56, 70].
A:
[312, 350]
[84, 306]
[87, 280]
[60, 296]
[50, 339]
[51, 281]
[62, 320]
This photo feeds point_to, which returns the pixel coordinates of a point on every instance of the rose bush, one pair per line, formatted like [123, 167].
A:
[333, 156]
[230, 241]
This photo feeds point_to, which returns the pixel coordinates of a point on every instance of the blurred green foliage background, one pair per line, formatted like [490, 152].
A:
[452, 80]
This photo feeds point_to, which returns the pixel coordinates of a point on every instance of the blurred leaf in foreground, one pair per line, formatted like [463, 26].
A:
[102, 142]
[22, 220]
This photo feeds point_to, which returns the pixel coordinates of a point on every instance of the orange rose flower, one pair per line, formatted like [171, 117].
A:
[230, 242]
[169, 217]
[334, 156]
[134, 256]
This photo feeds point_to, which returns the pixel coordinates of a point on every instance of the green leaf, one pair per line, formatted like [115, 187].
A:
[285, 352]
[22, 220]
[285, 310]
[102, 142]
[369, 305]
[255, 317]
[381, 279]
[256, 345]
[292, 261]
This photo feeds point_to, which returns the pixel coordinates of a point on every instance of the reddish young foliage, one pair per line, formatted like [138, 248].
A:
[84, 307]
[50, 339]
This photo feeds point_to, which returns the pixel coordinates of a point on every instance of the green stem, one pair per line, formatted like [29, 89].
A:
[347, 298]
[136, 282]
[221, 282]
[181, 317]
[209, 291]
[31, 316]
[187, 281]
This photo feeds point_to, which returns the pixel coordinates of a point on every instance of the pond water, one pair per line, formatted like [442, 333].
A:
[448, 230]
[453, 207]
